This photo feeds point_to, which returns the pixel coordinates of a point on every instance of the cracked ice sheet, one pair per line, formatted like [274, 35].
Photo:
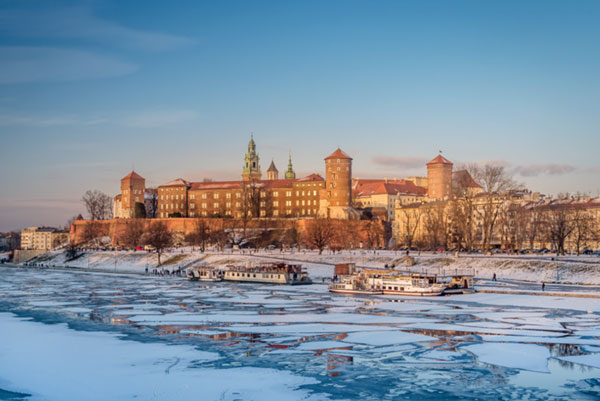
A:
[510, 355]
[55, 363]
[588, 360]
[185, 318]
[427, 325]
[540, 340]
[304, 329]
[381, 338]
[542, 302]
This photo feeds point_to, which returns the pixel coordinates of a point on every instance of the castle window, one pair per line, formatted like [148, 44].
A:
[275, 213]
[288, 193]
[216, 205]
[275, 194]
[228, 195]
[204, 206]
[314, 193]
[216, 196]
[275, 203]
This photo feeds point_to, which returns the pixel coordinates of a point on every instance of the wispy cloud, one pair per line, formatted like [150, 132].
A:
[534, 170]
[160, 118]
[400, 162]
[143, 119]
[19, 64]
[79, 24]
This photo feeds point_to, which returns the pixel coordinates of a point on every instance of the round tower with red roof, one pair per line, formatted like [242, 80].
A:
[439, 178]
[336, 198]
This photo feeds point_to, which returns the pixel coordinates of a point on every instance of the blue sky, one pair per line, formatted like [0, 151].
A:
[90, 89]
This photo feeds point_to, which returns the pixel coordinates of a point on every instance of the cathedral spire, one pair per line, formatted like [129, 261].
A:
[290, 174]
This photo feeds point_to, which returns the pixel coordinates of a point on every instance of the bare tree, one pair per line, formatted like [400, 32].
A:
[319, 234]
[159, 237]
[201, 234]
[98, 205]
[132, 236]
[583, 224]
[412, 220]
[495, 183]
[462, 209]
[559, 228]
[534, 226]
[374, 233]
[436, 225]
[290, 236]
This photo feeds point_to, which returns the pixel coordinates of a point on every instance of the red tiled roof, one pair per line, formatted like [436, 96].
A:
[439, 159]
[379, 187]
[132, 175]
[338, 154]
[312, 177]
[179, 182]
[465, 177]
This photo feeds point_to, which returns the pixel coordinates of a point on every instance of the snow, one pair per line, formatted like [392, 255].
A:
[531, 267]
[519, 356]
[53, 362]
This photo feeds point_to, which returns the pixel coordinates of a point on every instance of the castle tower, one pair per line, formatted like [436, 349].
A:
[439, 178]
[290, 174]
[336, 198]
[251, 170]
[272, 172]
[133, 187]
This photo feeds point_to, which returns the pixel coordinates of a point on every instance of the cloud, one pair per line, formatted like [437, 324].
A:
[534, 170]
[20, 64]
[160, 118]
[400, 162]
[79, 23]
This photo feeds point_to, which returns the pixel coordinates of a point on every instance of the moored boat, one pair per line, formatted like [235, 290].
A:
[276, 273]
[349, 280]
[205, 273]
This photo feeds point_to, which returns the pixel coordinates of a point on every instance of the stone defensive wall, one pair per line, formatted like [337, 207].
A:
[361, 230]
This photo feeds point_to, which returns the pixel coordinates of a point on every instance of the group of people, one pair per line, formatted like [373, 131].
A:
[166, 272]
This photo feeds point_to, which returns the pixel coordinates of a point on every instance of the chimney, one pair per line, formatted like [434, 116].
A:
[385, 179]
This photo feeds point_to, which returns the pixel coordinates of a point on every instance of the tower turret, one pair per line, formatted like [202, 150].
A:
[336, 198]
[439, 178]
[272, 172]
[251, 170]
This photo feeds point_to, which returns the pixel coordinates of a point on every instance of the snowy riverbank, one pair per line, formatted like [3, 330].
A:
[535, 268]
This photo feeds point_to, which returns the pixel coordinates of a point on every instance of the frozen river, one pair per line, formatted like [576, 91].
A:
[82, 336]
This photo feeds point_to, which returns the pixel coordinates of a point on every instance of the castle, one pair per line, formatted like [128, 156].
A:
[338, 196]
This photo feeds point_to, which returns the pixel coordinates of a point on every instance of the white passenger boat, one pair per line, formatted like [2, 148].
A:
[349, 280]
[276, 273]
[205, 273]
[412, 284]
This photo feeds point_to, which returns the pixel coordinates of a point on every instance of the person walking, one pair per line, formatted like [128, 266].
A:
[543, 286]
